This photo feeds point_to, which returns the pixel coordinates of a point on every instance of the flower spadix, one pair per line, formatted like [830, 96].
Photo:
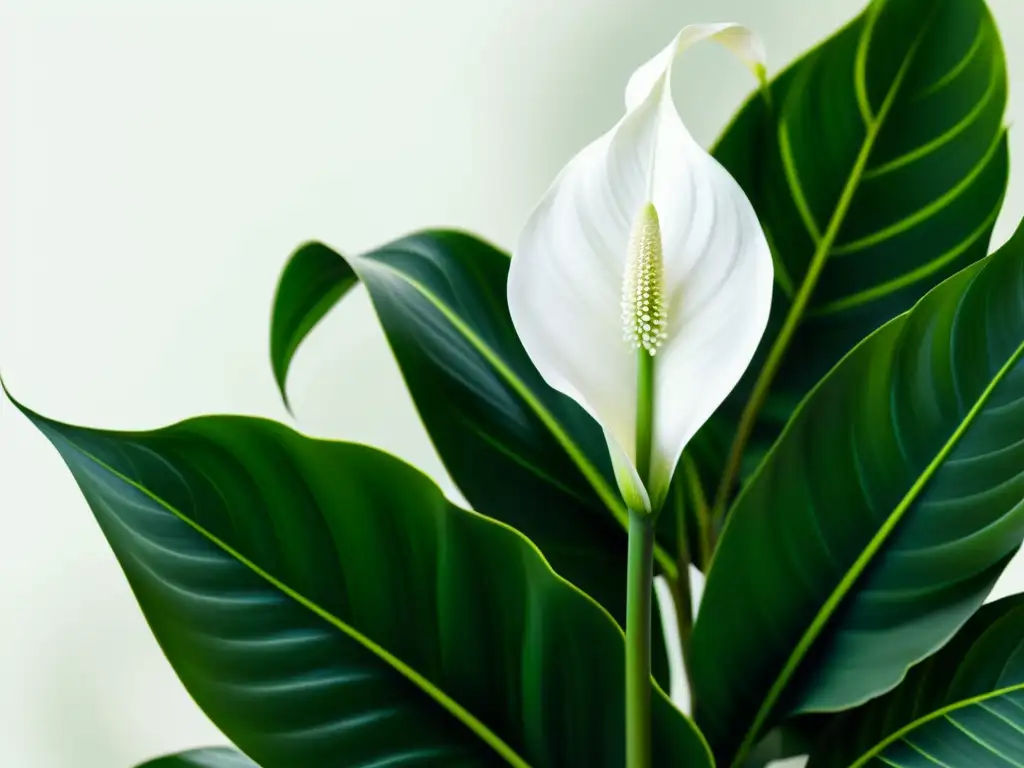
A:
[641, 284]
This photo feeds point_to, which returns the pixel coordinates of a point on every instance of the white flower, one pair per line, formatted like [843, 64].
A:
[645, 259]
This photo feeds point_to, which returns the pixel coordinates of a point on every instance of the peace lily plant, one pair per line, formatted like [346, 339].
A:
[789, 363]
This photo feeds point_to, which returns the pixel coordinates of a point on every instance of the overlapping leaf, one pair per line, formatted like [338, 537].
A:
[881, 518]
[962, 708]
[519, 451]
[325, 605]
[877, 169]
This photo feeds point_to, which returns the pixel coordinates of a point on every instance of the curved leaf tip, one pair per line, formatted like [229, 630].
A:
[314, 279]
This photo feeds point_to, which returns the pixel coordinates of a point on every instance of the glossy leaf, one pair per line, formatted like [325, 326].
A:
[962, 708]
[326, 605]
[519, 451]
[881, 158]
[313, 281]
[881, 518]
[211, 757]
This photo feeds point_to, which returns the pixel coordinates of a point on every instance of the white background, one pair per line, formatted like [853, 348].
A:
[159, 160]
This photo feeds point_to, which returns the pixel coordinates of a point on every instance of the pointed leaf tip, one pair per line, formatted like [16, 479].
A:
[313, 281]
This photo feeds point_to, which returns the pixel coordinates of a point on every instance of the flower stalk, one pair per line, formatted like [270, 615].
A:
[646, 214]
[639, 596]
[645, 318]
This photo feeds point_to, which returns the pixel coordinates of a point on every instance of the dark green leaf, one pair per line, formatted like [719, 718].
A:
[962, 708]
[880, 519]
[883, 157]
[519, 451]
[212, 757]
[326, 605]
[313, 281]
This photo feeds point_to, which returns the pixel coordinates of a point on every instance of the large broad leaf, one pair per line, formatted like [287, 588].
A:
[880, 519]
[212, 757]
[519, 451]
[962, 708]
[877, 170]
[326, 605]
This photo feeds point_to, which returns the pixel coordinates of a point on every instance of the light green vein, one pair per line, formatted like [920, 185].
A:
[860, 72]
[923, 271]
[930, 210]
[981, 742]
[793, 180]
[782, 276]
[937, 143]
[961, 65]
[999, 716]
[902, 733]
[929, 757]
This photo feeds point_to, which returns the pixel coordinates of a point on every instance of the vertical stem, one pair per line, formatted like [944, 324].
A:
[640, 582]
[644, 412]
[639, 596]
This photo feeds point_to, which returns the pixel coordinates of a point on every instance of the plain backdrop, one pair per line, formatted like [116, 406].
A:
[159, 161]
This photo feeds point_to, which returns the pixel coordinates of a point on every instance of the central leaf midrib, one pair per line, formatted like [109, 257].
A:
[441, 698]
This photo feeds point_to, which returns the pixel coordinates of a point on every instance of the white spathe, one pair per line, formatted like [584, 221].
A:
[566, 279]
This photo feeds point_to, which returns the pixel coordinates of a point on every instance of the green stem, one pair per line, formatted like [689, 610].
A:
[644, 413]
[639, 583]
